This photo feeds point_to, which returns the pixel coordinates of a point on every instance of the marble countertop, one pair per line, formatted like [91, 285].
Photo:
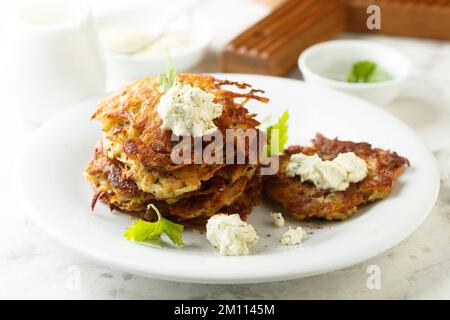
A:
[32, 265]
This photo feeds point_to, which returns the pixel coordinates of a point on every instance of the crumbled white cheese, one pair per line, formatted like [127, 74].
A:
[188, 111]
[230, 235]
[336, 175]
[277, 219]
[293, 236]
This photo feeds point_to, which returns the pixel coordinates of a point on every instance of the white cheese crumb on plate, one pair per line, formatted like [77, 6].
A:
[293, 236]
[230, 235]
[277, 219]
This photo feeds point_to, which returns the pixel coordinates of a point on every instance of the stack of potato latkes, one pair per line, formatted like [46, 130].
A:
[132, 165]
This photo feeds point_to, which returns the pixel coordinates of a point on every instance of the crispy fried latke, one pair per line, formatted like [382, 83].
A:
[237, 187]
[303, 200]
[130, 120]
[132, 165]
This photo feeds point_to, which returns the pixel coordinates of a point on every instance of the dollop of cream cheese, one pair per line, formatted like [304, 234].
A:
[188, 111]
[335, 175]
[293, 236]
[277, 219]
[230, 235]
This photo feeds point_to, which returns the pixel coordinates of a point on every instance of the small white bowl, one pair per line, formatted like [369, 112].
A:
[123, 68]
[328, 63]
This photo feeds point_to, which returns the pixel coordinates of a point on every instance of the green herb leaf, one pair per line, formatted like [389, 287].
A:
[366, 72]
[144, 231]
[166, 81]
[276, 142]
[379, 75]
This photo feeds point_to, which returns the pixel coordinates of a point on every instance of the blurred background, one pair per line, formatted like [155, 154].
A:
[220, 20]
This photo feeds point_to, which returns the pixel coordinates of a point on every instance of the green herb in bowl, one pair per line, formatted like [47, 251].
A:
[367, 72]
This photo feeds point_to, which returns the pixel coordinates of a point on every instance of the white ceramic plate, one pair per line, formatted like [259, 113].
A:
[50, 182]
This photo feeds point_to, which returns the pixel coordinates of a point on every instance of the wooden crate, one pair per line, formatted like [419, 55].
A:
[272, 45]
[413, 18]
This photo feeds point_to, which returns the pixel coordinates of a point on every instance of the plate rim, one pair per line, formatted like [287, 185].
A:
[117, 263]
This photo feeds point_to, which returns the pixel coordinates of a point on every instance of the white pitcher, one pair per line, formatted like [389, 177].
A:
[50, 58]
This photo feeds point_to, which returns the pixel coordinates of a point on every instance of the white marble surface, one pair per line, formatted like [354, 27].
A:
[32, 265]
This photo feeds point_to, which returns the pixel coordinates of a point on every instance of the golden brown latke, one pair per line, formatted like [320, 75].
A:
[132, 167]
[130, 119]
[113, 185]
[303, 200]
[243, 205]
